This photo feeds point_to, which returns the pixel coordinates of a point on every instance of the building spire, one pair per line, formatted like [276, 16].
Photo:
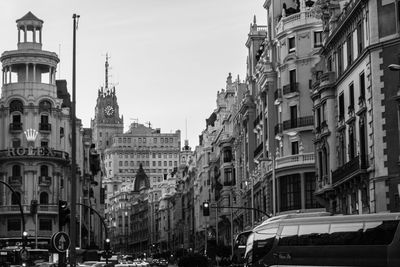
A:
[106, 65]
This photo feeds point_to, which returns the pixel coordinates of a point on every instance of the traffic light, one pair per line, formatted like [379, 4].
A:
[34, 206]
[107, 250]
[206, 209]
[107, 246]
[24, 239]
[63, 212]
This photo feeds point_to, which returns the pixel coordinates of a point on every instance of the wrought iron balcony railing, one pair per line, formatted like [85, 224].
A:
[299, 122]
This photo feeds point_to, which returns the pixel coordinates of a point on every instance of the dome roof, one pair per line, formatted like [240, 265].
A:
[142, 180]
[29, 16]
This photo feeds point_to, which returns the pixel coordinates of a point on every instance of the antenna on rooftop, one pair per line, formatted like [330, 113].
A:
[186, 128]
[149, 123]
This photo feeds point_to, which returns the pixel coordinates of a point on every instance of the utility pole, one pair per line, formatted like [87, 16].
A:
[72, 257]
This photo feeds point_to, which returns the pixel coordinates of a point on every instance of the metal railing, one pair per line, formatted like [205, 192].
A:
[16, 126]
[291, 88]
[345, 170]
[299, 122]
[45, 127]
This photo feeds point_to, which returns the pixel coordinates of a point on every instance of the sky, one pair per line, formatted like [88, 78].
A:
[168, 58]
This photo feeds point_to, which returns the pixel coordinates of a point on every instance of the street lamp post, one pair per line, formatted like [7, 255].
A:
[73, 150]
[126, 231]
[251, 199]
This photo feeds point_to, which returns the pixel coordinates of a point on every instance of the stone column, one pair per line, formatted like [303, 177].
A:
[19, 38]
[34, 72]
[26, 72]
[9, 74]
[40, 35]
[25, 36]
[34, 34]
[50, 75]
[359, 201]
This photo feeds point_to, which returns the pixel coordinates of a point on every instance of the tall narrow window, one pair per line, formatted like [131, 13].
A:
[295, 148]
[16, 119]
[292, 44]
[363, 142]
[292, 79]
[290, 192]
[329, 64]
[342, 148]
[351, 95]
[341, 107]
[16, 170]
[349, 49]
[309, 190]
[352, 147]
[318, 113]
[293, 116]
[320, 165]
[340, 59]
[44, 170]
[360, 37]
[362, 86]
[44, 198]
[318, 39]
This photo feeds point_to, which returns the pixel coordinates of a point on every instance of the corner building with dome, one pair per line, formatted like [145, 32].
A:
[35, 139]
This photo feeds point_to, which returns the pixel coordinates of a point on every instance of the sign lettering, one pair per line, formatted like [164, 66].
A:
[31, 151]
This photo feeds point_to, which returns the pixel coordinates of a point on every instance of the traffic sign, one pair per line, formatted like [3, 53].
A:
[24, 254]
[60, 242]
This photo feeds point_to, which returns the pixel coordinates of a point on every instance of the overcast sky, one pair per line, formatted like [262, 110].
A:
[168, 57]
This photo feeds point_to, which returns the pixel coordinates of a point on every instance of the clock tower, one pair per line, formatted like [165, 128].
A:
[107, 121]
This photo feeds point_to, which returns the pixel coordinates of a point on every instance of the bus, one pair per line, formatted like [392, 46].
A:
[239, 247]
[370, 240]
[11, 256]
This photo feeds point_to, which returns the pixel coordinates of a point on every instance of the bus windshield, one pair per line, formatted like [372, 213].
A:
[263, 241]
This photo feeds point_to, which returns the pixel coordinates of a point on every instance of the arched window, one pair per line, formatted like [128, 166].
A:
[16, 170]
[16, 105]
[45, 106]
[44, 170]
[44, 198]
[15, 198]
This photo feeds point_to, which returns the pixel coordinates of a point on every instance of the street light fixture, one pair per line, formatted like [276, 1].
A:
[394, 67]
[126, 230]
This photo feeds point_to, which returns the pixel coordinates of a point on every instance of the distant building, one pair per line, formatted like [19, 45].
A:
[158, 154]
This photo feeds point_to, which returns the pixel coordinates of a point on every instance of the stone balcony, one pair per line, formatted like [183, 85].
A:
[292, 160]
[296, 20]
[42, 209]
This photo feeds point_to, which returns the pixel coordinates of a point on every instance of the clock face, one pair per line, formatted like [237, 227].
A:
[109, 110]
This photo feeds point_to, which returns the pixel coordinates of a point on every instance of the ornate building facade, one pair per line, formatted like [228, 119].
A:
[355, 98]
[34, 139]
